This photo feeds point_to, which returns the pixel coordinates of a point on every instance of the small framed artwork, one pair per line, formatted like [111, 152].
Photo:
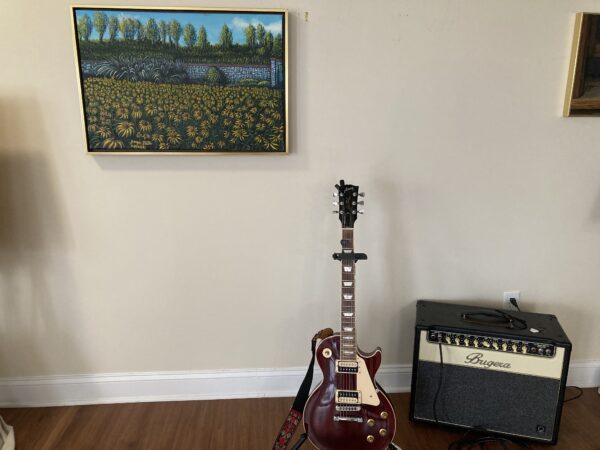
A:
[583, 85]
[166, 81]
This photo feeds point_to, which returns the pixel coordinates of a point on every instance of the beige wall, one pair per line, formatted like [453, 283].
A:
[446, 112]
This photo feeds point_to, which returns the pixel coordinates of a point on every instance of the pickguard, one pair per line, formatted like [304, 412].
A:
[365, 385]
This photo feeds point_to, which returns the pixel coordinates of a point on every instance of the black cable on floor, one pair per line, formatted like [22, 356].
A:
[576, 396]
[468, 443]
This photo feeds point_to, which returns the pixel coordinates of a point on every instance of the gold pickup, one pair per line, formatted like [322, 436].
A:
[347, 397]
[346, 366]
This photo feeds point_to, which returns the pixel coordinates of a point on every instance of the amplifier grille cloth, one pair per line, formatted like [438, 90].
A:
[511, 403]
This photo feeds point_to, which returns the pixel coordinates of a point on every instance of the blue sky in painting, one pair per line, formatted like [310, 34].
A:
[212, 21]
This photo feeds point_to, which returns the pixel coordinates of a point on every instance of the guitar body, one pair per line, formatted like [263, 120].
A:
[371, 427]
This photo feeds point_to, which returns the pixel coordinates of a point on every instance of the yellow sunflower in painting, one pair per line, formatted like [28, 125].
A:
[145, 125]
[112, 143]
[125, 129]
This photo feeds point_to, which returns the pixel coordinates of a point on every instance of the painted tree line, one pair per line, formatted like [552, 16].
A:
[170, 33]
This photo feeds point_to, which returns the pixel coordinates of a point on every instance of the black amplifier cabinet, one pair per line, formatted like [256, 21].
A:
[509, 381]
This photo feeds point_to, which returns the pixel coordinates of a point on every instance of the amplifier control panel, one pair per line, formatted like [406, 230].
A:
[492, 343]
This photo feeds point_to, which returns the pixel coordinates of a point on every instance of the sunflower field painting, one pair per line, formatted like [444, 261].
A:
[191, 81]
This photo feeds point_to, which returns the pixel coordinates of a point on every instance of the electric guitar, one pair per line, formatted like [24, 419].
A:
[348, 410]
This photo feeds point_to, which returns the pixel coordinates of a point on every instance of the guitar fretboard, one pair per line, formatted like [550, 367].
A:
[348, 330]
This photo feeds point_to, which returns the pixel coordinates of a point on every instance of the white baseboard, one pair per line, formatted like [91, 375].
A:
[202, 385]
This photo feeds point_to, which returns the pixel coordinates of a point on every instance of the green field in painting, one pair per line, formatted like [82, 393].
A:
[144, 116]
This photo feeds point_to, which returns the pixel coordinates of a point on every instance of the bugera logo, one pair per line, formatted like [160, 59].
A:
[477, 359]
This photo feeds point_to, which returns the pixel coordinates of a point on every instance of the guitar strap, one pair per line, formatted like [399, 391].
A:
[294, 417]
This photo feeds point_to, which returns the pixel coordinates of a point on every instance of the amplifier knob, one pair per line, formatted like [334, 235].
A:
[486, 343]
[514, 347]
[504, 346]
[524, 350]
[541, 351]
[495, 345]
[370, 439]
[548, 351]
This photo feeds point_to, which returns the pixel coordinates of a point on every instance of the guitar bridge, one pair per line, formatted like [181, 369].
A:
[347, 408]
[347, 419]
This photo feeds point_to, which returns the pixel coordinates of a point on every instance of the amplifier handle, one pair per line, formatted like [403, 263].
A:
[494, 318]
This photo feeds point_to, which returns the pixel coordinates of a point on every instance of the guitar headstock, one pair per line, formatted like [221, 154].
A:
[348, 203]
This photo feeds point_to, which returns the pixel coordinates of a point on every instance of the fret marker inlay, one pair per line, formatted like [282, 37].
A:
[347, 283]
[348, 314]
[348, 296]
[347, 269]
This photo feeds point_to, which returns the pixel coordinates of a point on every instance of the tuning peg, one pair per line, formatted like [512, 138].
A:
[335, 203]
[361, 194]
[335, 194]
[361, 202]
[335, 212]
[361, 211]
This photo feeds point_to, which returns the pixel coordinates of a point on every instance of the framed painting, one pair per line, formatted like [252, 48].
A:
[583, 85]
[166, 81]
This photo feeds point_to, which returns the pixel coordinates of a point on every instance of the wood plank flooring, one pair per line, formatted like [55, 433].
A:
[248, 424]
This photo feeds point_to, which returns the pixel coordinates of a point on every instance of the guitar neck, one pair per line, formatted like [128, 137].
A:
[348, 316]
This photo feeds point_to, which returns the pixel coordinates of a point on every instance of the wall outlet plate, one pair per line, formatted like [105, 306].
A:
[507, 296]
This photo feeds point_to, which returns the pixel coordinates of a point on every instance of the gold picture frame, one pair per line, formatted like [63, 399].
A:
[182, 80]
[582, 97]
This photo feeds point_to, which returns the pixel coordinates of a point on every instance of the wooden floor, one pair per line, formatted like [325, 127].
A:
[248, 424]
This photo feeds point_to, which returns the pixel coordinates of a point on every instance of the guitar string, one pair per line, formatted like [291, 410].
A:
[343, 375]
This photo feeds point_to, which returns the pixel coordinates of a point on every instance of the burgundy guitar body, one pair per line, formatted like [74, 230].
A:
[323, 430]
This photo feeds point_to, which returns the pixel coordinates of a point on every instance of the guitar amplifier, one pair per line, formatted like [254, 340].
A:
[479, 368]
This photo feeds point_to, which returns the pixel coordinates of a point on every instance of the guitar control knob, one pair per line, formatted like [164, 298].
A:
[383, 415]
[370, 439]
[382, 432]
[370, 422]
